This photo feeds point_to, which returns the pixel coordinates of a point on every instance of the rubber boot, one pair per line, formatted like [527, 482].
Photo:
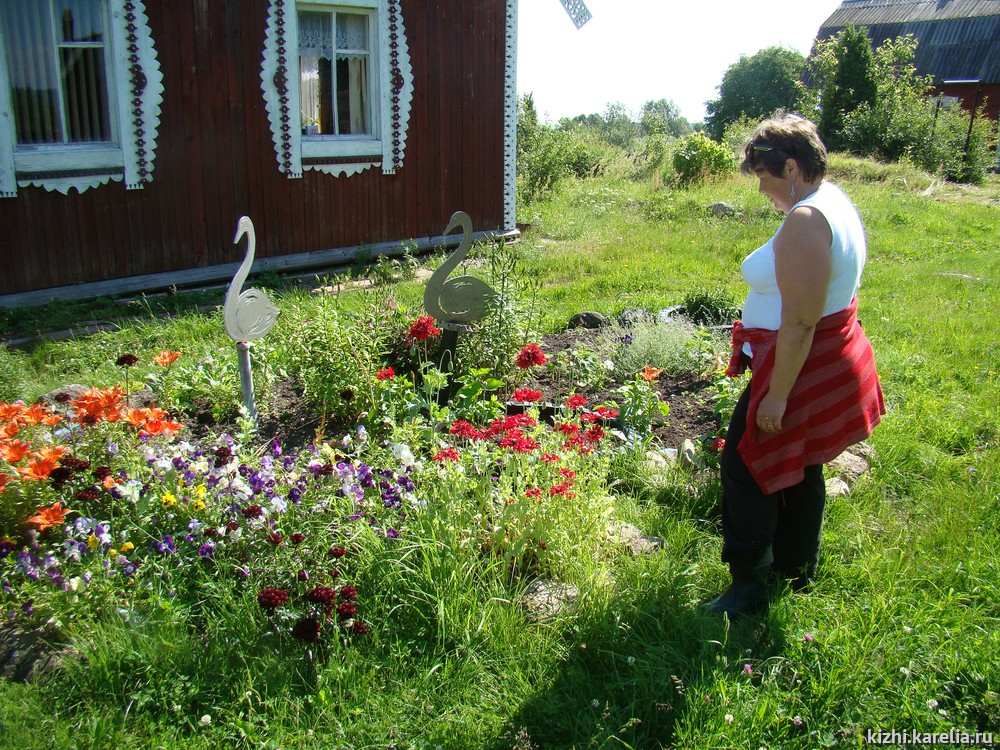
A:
[750, 591]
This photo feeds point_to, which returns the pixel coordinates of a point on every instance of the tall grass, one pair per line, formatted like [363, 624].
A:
[899, 632]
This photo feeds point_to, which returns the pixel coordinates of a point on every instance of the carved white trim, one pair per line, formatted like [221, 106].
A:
[510, 120]
[281, 93]
[140, 90]
[136, 95]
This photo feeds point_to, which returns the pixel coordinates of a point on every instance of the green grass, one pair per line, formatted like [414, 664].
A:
[901, 631]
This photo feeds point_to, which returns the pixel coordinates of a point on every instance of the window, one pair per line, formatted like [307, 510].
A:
[337, 84]
[74, 115]
[334, 62]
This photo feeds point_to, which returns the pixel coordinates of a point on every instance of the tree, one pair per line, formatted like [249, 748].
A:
[851, 85]
[619, 127]
[755, 87]
[662, 117]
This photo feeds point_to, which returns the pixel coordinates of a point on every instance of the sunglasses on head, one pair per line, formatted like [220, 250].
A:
[764, 148]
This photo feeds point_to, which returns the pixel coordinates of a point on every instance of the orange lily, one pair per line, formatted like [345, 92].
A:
[34, 414]
[38, 468]
[49, 517]
[51, 419]
[649, 373]
[4, 478]
[160, 427]
[166, 358]
[13, 451]
[10, 429]
[52, 452]
[9, 411]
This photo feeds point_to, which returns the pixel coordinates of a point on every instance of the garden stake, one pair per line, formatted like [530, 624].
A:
[248, 315]
[455, 303]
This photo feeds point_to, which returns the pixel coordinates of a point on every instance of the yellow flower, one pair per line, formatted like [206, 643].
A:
[168, 499]
[112, 552]
[127, 547]
[200, 491]
[92, 542]
[197, 505]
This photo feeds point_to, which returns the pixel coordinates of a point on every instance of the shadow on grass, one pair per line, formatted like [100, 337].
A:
[635, 672]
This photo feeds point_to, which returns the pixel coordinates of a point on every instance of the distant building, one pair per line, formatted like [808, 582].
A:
[958, 41]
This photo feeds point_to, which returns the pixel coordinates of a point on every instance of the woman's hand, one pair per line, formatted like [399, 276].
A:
[770, 412]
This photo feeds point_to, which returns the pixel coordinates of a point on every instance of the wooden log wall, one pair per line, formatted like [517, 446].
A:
[215, 159]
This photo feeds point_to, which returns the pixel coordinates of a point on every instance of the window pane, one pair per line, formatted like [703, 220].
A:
[79, 20]
[352, 32]
[86, 94]
[315, 57]
[352, 95]
[33, 78]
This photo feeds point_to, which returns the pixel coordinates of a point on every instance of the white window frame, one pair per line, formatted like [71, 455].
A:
[135, 94]
[338, 155]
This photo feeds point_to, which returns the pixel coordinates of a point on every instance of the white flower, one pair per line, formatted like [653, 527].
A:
[932, 704]
[205, 720]
[730, 718]
[403, 454]
[595, 703]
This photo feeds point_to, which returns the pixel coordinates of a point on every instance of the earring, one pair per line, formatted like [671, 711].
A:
[793, 187]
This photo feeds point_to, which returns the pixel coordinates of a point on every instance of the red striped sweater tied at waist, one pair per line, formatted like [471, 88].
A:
[836, 400]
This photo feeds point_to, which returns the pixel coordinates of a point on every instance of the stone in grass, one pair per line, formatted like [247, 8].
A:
[28, 655]
[659, 461]
[588, 320]
[848, 467]
[632, 537]
[722, 209]
[546, 600]
[837, 487]
[140, 399]
[688, 453]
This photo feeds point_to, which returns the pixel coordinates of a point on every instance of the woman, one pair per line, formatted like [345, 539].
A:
[814, 390]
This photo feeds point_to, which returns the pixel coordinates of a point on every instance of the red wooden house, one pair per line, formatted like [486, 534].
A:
[134, 134]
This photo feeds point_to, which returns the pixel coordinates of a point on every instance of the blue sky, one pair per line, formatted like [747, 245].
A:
[632, 51]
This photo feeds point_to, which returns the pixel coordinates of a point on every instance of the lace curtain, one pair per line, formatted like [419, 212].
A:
[316, 39]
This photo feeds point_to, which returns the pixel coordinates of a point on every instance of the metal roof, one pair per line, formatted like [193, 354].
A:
[957, 39]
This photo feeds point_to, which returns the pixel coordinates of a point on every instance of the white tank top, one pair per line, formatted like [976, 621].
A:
[762, 308]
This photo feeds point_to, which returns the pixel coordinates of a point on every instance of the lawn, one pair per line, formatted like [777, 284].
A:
[351, 572]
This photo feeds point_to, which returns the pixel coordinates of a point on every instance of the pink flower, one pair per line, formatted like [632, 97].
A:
[808, 638]
[747, 669]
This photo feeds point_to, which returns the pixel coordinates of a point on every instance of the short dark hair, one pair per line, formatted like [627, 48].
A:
[782, 137]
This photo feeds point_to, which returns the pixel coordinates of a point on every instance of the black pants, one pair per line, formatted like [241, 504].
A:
[787, 524]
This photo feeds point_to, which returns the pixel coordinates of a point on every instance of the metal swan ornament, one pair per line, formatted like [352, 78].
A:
[464, 298]
[249, 314]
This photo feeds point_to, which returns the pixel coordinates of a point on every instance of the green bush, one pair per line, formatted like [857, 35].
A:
[699, 157]
[711, 307]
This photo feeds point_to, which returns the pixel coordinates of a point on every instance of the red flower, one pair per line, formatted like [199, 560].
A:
[526, 395]
[298, 538]
[348, 593]
[607, 412]
[533, 492]
[550, 458]
[717, 445]
[446, 454]
[563, 488]
[307, 629]
[530, 356]
[423, 328]
[576, 401]
[464, 429]
[386, 373]
[321, 595]
[567, 473]
[271, 598]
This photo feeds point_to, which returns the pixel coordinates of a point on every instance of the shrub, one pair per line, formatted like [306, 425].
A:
[699, 157]
[711, 307]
